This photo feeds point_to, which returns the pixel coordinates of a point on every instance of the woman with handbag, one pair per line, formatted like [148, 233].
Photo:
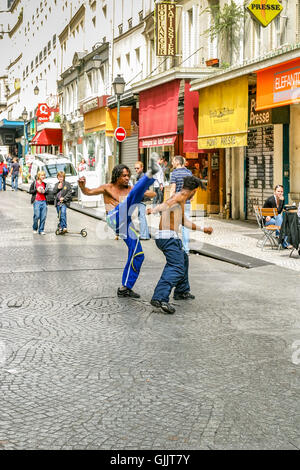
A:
[3, 173]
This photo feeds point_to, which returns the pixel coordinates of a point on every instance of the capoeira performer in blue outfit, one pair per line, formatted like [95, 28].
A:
[120, 200]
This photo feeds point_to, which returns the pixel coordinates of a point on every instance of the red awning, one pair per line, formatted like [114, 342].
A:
[158, 115]
[191, 108]
[48, 137]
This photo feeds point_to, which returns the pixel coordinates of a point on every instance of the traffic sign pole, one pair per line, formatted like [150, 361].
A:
[118, 125]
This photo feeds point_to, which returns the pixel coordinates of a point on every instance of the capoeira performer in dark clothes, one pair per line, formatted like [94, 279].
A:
[119, 199]
[175, 273]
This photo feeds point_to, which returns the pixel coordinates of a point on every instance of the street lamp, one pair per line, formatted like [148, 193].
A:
[36, 89]
[97, 61]
[118, 86]
[24, 117]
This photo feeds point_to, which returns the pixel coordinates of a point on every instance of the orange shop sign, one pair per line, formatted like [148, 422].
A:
[278, 85]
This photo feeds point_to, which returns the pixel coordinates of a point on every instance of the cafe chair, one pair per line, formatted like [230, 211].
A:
[268, 231]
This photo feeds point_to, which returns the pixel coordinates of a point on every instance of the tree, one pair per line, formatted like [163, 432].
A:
[226, 25]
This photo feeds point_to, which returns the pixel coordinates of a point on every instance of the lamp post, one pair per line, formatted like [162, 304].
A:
[24, 117]
[118, 86]
[36, 89]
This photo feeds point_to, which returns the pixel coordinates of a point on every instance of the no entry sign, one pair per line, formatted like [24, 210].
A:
[120, 134]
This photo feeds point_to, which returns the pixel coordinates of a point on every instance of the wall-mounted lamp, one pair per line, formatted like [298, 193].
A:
[97, 61]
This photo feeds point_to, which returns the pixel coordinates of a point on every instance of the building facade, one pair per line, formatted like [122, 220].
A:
[240, 144]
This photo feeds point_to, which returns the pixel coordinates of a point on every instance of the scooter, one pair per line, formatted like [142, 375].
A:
[58, 231]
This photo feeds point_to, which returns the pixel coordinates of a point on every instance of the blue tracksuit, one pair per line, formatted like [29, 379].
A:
[175, 273]
[119, 219]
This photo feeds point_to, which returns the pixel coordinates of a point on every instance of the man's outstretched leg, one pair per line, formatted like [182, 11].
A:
[123, 226]
[133, 265]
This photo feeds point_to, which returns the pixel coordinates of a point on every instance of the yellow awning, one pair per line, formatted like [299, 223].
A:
[223, 115]
[125, 120]
[95, 121]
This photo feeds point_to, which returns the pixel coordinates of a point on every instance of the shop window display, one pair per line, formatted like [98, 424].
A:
[91, 162]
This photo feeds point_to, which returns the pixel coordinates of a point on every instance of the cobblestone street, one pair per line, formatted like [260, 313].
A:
[81, 368]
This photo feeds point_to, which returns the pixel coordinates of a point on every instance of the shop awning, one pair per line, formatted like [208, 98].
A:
[112, 119]
[223, 115]
[278, 85]
[158, 110]
[191, 108]
[95, 120]
[6, 124]
[48, 137]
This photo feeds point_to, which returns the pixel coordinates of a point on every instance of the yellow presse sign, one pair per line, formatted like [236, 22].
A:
[223, 115]
[265, 10]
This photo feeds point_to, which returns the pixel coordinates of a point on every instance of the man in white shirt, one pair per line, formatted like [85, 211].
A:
[159, 181]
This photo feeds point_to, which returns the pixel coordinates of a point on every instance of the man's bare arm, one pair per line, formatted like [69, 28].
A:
[91, 191]
[164, 206]
[172, 189]
[189, 224]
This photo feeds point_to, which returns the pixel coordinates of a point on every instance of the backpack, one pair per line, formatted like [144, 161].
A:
[5, 171]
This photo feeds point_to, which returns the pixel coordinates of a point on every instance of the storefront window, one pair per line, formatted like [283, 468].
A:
[91, 153]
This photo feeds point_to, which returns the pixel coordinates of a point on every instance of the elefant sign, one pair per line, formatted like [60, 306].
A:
[278, 85]
[265, 11]
[165, 28]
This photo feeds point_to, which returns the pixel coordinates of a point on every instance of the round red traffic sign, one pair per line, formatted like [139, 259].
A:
[120, 134]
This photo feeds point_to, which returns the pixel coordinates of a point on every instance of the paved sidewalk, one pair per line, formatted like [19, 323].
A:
[236, 236]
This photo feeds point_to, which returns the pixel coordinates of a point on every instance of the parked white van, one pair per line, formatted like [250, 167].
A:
[51, 165]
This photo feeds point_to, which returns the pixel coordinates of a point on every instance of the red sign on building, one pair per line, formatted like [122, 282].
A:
[43, 112]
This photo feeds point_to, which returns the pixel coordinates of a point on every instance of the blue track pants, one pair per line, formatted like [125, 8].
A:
[119, 219]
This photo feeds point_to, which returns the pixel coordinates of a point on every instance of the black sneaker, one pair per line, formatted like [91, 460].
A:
[163, 305]
[184, 296]
[127, 293]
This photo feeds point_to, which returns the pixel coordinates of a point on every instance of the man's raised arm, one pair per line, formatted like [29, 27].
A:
[90, 192]
[189, 224]
[164, 206]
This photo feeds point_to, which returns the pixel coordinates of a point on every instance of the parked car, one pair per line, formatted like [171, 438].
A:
[51, 165]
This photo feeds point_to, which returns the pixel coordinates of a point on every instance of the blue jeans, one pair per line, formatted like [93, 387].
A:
[275, 220]
[14, 181]
[144, 230]
[158, 199]
[186, 231]
[2, 183]
[39, 214]
[63, 215]
[175, 273]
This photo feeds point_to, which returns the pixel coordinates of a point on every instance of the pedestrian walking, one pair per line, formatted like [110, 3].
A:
[118, 216]
[177, 177]
[82, 168]
[9, 161]
[158, 185]
[62, 197]
[175, 273]
[144, 229]
[3, 173]
[15, 172]
[38, 191]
